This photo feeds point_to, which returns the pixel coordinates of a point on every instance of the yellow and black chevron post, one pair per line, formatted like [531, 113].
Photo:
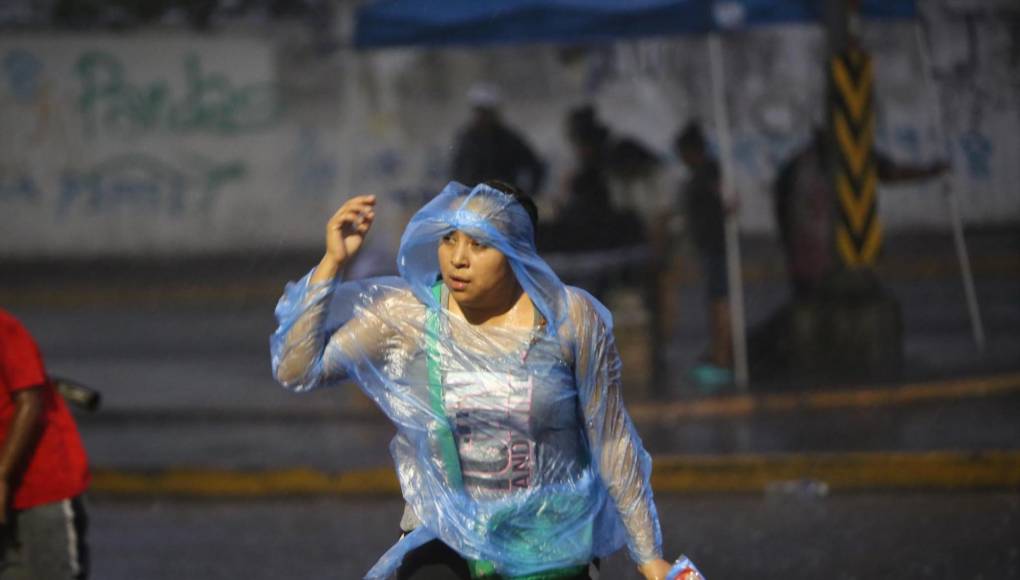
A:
[852, 119]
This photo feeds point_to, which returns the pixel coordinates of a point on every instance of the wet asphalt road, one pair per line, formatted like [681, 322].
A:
[189, 385]
[840, 537]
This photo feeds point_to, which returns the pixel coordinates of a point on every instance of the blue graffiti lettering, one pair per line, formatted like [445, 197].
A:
[23, 70]
[909, 138]
[977, 149]
[757, 156]
[19, 187]
[411, 198]
[387, 163]
[142, 183]
[133, 181]
[316, 172]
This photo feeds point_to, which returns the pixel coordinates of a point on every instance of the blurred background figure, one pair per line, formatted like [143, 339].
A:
[626, 168]
[705, 216]
[615, 197]
[487, 148]
[805, 201]
[43, 468]
[588, 222]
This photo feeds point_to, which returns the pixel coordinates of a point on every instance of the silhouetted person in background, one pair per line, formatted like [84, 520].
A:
[805, 205]
[488, 149]
[705, 216]
[588, 222]
[806, 209]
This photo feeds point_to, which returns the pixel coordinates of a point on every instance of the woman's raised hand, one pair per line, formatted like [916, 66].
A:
[345, 232]
[655, 569]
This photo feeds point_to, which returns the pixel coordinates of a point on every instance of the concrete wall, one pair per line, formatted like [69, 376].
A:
[149, 144]
[158, 143]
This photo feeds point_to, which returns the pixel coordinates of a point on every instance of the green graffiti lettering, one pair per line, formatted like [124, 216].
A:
[208, 101]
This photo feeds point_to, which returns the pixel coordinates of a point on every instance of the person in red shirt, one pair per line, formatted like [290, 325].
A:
[43, 468]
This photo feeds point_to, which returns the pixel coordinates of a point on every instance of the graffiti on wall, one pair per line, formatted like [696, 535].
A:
[977, 150]
[976, 67]
[96, 132]
[145, 183]
[105, 104]
[19, 187]
[31, 95]
[316, 171]
[207, 102]
[133, 182]
[23, 71]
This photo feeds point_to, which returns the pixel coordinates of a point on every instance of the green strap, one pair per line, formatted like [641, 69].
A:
[441, 431]
[443, 435]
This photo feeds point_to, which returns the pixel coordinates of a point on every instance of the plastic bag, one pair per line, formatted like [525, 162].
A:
[684, 569]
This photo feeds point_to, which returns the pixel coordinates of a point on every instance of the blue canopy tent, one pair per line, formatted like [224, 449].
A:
[383, 23]
[766, 12]
[447, 23]
[480, 22]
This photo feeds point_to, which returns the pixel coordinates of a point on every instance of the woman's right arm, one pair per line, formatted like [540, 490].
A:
[299, 341]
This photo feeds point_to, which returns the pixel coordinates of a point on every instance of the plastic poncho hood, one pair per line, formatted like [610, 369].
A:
[493, 218]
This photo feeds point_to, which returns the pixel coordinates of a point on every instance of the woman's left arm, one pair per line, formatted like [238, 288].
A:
[622, 461]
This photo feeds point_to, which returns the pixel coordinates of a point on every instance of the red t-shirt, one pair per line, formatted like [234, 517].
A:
[58, 468]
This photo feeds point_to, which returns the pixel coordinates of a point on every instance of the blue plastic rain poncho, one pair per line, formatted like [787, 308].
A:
[513, 445]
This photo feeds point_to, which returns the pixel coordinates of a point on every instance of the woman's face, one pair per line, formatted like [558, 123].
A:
[477, 275]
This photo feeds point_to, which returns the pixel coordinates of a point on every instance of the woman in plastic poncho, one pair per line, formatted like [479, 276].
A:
[515, 454]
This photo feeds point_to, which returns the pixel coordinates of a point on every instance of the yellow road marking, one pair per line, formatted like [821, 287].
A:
[220, 482]
[840, 471]
[743, 405]
[671, 474]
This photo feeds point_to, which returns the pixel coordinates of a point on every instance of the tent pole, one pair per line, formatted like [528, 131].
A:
[733, 260]
[952, 197]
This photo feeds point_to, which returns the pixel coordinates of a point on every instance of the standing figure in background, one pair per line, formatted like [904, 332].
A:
[805, 208]
[488, 149]
[705, 216]
[588, 223]
[588, 220]
[43, 468]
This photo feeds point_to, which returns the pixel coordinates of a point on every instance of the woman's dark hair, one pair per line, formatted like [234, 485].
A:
[522, 198]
